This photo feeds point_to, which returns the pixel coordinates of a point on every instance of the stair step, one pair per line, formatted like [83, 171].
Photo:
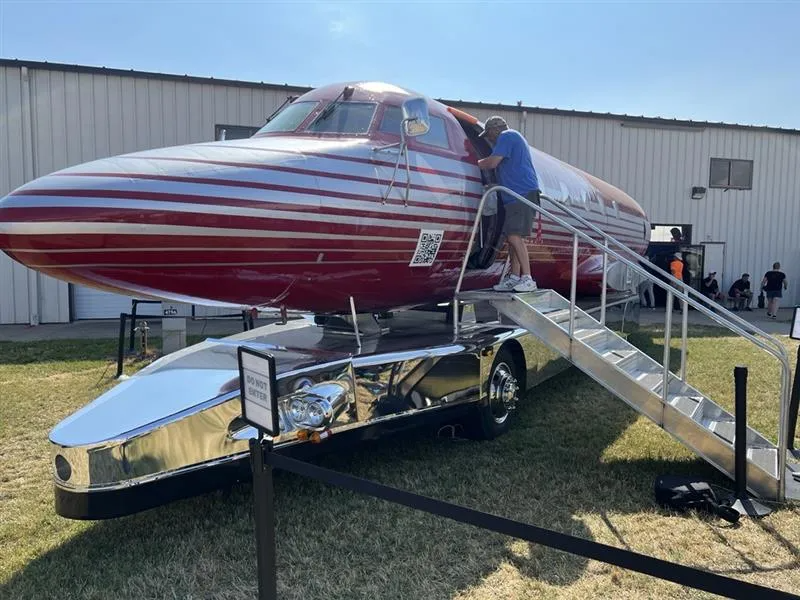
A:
[558, 315]
[586, 333]
[614, 357]
[766, 458]
[609, 343]
[724, 429]
[648, 379]
[686, 404]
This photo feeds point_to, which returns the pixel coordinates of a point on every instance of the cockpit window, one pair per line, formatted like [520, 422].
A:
[344, 117]
[436, 136]
[289, 118]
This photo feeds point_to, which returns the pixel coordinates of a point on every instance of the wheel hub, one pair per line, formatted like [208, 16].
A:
[503, 389]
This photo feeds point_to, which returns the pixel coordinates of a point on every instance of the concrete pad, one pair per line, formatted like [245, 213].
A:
[757, 317]
[109, 329]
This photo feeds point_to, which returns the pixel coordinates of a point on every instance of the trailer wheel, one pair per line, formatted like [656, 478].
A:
[496, 415]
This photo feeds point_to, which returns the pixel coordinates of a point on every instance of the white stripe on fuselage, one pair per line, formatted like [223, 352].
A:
[91, 228]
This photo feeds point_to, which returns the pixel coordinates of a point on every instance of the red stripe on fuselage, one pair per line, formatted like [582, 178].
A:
[310, 172]
[232, 202]
[262, 186]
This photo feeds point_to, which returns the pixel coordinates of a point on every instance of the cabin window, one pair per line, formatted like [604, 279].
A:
[289, 118]
[344, 117]
[234, 132]
[436, 136]
[731, 173]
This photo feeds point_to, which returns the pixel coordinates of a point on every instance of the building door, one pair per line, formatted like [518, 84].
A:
[714, 261]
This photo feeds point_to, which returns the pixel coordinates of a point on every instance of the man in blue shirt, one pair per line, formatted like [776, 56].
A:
[511, 157]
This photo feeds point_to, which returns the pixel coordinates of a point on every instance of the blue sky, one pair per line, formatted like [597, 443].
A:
[732, 62]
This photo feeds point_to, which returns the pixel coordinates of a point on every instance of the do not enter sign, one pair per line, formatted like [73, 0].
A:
[258, 389]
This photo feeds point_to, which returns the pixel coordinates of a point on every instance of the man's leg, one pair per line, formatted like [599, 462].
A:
[514, 259]
[520, 263]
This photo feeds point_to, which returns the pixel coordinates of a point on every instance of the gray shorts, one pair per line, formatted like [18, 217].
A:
[519, 216]
[773, 294]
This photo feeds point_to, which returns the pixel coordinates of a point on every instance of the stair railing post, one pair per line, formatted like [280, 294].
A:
[684, 336]
[604, 284]
[667, 341]
[573, 285]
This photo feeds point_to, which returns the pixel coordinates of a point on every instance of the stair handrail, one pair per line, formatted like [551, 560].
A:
[681, 291]
[690, 290]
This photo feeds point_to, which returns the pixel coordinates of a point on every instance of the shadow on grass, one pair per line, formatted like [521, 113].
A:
[337, 544]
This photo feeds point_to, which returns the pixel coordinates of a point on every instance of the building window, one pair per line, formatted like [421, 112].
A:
[731, 173]
[233, 132]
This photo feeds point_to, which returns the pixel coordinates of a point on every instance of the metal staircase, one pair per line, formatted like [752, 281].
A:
[645, 384]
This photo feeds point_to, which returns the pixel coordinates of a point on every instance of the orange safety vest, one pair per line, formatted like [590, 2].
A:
[676, 267]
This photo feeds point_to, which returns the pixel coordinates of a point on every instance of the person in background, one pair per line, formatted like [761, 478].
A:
[740, 293]
[677, 236]
[710, 287]
[676, 266]
[511, 156]
[773, 284]
[676, 270]
[646, 287]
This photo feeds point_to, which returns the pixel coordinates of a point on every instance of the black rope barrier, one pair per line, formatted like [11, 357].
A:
[661, 569]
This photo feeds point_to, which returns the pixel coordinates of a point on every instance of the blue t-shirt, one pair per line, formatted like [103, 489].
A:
[516, 170]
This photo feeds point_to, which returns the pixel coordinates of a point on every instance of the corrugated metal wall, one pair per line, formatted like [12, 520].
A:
[53, 119]
[659, 164]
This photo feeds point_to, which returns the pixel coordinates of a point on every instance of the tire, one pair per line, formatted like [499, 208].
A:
[496, 416]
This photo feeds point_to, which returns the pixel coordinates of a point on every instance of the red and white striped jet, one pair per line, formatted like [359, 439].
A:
[308, 212]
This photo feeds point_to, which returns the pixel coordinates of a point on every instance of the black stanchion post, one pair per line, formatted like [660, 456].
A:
[259, 395]
[121, 347]
[793, 404]
[740, 386]
[264, 510]
[744, 505]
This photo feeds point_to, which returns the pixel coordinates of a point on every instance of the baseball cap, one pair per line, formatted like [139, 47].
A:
[492, 123]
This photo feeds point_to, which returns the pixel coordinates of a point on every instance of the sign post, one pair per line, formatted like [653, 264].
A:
[259, 395]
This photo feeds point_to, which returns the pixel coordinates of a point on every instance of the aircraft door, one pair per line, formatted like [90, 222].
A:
[488, 236]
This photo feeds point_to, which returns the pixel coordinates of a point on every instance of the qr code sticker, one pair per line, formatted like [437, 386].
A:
[427, 247]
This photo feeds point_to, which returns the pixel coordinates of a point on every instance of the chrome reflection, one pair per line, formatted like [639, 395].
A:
[503, 393]
[194, 411]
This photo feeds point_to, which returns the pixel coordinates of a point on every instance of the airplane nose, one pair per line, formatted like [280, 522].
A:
[162, 209]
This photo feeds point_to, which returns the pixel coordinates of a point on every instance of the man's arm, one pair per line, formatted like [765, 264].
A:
[490, 162]
[502, 149]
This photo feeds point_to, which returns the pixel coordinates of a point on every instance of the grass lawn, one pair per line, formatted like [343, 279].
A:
[577, 460]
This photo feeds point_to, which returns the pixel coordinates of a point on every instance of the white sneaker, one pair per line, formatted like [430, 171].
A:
[525, 284]
[507, 284]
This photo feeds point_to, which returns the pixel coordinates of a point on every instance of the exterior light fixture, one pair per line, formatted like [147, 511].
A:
[698, 193]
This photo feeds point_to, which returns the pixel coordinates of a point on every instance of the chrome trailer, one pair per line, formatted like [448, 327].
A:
[174, 429]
